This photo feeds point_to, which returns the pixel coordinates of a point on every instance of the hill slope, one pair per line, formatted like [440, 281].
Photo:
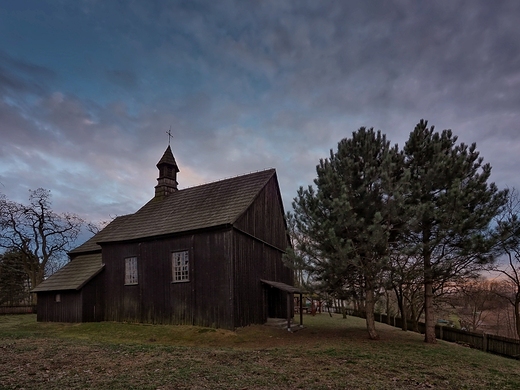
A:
[330, 353]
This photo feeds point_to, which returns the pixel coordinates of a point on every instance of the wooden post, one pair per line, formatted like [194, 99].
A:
[301, 309]
[485, 342]
[289, 311]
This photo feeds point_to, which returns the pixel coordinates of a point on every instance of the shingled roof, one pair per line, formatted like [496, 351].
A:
[213, 204]
[73, 275]
[209, 205]
[168, 159]
[91, 244]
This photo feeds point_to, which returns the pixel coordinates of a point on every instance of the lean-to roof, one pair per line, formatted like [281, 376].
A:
[73, 275]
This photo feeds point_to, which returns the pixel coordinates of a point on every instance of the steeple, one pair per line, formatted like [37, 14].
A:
[167, 180]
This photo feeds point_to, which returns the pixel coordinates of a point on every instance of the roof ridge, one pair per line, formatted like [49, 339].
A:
[203, 206]
[229, 178]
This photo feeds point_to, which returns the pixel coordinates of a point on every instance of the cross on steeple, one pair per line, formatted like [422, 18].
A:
[170, 136]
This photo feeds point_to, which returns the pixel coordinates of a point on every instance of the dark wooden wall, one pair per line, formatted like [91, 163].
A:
[68, 310]
[205, 300]
[85, 305]
[259, 243]
[224, 290]
[93, 299]
[255, 260]
[265, 219]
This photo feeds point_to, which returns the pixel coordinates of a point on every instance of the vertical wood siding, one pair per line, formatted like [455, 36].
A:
[69, 309]
[122, 302]
[224, 288]
[254, 301]
[264, 219]
[85, 305]
[259, 244]
[204, 300]
[93, 298]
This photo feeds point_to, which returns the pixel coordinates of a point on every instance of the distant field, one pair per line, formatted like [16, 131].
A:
[330, 353]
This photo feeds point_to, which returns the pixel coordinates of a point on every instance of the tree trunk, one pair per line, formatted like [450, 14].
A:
[404, 316]
[387, 307]
[517, 314]
[369, 306]
[401, 303]
[429, 333]
[414, 317]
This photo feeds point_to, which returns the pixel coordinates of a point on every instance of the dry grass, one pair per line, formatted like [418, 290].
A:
[330, 353]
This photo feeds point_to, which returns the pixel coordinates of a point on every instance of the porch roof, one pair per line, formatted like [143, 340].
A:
[282, 286]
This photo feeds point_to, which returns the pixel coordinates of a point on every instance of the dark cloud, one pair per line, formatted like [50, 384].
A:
[245, 86]
[22, 76]
[122, 78]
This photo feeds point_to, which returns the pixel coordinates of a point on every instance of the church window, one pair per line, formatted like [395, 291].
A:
[131, 275]
[180, 266]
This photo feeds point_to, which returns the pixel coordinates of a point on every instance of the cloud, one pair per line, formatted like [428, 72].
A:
[123, 78]
[20, 76]
[244, 86]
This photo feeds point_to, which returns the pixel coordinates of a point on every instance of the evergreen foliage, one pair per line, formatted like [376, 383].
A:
[449, 206]
[347, 221]
[14, 282]
[420, 216]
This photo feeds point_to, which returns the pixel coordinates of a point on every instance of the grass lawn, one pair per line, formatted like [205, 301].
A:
[330, 353]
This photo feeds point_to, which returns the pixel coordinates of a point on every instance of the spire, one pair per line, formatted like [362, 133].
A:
[167, 180]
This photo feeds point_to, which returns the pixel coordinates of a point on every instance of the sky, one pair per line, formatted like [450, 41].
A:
[89, 89]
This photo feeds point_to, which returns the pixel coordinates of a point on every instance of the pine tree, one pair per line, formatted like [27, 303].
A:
[449, 205]
[14, 281]
[348, 218]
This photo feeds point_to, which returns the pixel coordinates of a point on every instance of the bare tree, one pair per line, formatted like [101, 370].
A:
[503, 323]
[473, 301]
[42, 236]
[508, 233]
[96, 227]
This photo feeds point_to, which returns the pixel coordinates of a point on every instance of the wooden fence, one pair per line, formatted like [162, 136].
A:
[485, 342]
[27, 309]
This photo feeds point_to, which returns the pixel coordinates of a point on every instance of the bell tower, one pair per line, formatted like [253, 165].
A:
[167, 180]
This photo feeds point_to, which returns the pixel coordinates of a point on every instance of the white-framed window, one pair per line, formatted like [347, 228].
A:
[180, 266]
[131, 275]
[57, 298]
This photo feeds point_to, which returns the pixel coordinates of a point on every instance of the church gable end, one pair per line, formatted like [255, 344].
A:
[265, 219]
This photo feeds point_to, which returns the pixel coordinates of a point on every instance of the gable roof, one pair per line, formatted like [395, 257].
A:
[73, 275]
[208, 205]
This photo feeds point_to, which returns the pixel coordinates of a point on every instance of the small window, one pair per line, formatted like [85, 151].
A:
[131, 270]
[57, 298]
[180, 266]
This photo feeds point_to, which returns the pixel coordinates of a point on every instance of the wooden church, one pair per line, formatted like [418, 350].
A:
[209, 255]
